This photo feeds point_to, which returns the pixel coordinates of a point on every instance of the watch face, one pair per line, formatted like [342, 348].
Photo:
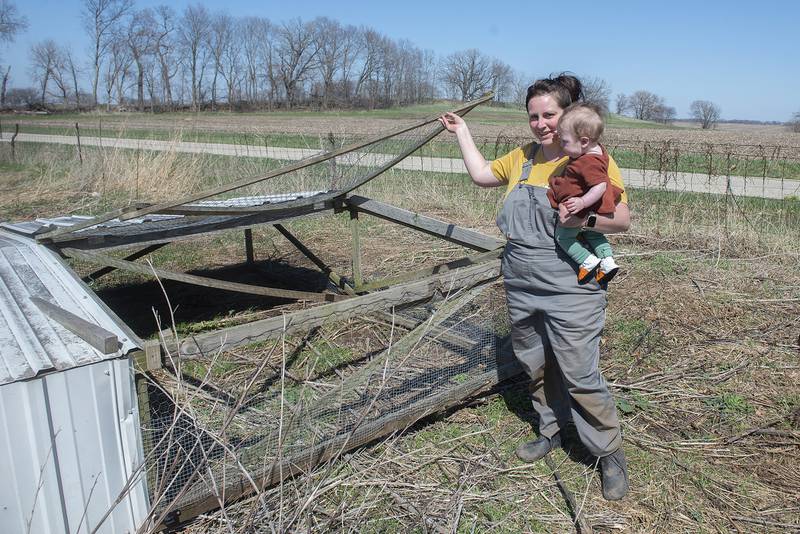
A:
[591, 220]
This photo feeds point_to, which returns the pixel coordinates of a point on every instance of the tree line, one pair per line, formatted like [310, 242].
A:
[161, 59]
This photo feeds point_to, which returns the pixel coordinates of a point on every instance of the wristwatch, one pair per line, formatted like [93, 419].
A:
[591, 220]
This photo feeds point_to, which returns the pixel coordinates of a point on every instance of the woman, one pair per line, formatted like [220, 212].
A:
[556, 323]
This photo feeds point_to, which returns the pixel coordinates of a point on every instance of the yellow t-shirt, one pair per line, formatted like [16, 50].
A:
[508, 169]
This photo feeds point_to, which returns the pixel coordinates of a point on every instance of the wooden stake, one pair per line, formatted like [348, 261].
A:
[248, 245]
[78, 136]
[356, 258]
[96, 336]
[332, 276]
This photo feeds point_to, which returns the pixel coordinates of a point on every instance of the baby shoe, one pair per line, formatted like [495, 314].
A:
[586, 269]
[608, 269]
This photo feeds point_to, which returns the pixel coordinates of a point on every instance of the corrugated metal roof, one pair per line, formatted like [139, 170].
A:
[42, 225]
[30, 342]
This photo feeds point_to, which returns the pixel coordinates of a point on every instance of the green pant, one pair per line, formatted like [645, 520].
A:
[567, 238]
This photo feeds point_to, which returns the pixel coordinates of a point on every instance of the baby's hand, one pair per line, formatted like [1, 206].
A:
[574, 204]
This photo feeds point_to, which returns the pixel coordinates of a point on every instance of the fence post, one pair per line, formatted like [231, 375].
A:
[78, 135]
[13, 142]
[358, 280]
[331, 145]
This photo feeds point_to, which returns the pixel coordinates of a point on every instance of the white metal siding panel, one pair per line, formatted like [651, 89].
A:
[131, 438]
[93, 422]
[30, 491]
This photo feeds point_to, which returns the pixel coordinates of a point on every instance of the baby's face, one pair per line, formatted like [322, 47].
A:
[570, 144]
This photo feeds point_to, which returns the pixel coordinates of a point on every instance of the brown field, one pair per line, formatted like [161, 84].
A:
[701, 346]
[483, 124]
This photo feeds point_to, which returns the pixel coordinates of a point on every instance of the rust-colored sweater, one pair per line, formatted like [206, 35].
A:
[580, 175]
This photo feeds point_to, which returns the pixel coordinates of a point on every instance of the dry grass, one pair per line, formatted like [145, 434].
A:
[701, 350]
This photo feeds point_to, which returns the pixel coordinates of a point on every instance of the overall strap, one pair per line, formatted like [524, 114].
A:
[526, 167]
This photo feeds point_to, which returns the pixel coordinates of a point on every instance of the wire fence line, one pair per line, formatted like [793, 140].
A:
[686, 190]
[748, 170]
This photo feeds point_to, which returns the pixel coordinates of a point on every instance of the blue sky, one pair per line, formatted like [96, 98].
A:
[744, 56]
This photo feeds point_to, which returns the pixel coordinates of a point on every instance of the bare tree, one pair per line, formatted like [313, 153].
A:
[11, 22]
[117, 69]
[596, 91]
[502, 81]
[164, 47]
[43, 59]
[193, 32]
[254, 32]
[645, 105]
[297, 54]
[141, 39]
[794, 124]
[622, 104]
[61, 75]
[706, 112]
[331, 43]
[467, 74]
[220, 37]
[351, 51]
[230, 67]
[370, 44]
[99, 19]
[663, 114]
[4, 87]
[74, 72]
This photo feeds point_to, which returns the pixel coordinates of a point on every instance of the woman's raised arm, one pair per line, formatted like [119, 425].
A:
[478, 168]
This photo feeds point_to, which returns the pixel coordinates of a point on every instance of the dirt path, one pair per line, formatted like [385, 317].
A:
[637, 178]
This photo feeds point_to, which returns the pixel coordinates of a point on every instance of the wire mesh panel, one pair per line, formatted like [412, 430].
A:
[231, 422]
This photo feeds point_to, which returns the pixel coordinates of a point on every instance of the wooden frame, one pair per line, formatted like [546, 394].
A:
[349, 298]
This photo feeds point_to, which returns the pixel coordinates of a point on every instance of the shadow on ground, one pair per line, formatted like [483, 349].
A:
[136, 304]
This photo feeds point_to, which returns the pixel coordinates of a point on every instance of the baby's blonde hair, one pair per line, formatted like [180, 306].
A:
[583, 120]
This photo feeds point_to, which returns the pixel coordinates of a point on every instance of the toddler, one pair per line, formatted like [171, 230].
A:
[584, 190]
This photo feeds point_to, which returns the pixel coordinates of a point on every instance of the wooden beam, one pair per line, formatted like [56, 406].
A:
[332, 276]
[248, 246]
[135, 256]
[447, 231]
[255, 179]
[114, 237]
[358, 281]
[102, 259]
[437, 332]
[303, 320]
[152, 354]
[430, 271]
[96, 336]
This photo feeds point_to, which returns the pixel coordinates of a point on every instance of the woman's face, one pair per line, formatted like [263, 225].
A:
[543, 115]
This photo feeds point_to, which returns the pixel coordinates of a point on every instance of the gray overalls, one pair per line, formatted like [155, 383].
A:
[549, 310]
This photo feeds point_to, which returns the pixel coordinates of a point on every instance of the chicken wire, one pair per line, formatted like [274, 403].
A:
[207, 433]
